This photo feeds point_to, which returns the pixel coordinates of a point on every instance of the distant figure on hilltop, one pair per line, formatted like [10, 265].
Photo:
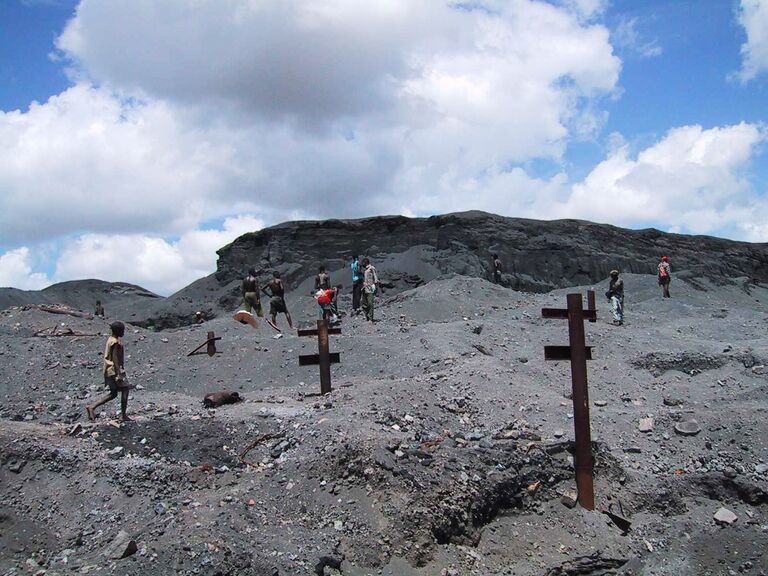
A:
[496, 269]
[665, 276]
[276, 292]
[616, 295]
[357, 285]
[99, 309]
[370, 285]
[251, 296]
[114, 373]
[322, 280]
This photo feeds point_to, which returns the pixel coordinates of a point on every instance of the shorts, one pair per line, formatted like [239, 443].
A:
[663, 280]
[111, 383]
[252, 300]
[277, 304]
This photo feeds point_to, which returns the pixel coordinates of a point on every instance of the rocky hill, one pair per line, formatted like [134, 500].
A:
[537, 256]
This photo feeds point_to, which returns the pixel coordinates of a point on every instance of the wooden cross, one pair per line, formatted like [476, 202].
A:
[578, 353]
[323, 357]
[210, 343]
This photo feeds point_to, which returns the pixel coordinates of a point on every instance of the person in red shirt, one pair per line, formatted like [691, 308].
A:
[664, 275]
[326, 300]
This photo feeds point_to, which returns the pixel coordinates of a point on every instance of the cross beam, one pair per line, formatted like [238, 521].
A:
[578, 353]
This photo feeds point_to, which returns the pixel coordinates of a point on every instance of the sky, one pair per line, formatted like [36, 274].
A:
[139, 136]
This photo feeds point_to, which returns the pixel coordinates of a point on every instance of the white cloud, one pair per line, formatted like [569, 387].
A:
[626, 37]
[16, 271]
[325, 104]
[753, 16]
[85, 160]
[313, 109]
[156, 264]
[692, 176]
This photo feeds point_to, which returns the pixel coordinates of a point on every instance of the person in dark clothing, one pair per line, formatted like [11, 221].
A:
[322, 280]
[496, 269]
[251, 296]
[357, 285]
[276, 292]
[114, 373]
[616, 295]
[99, 309]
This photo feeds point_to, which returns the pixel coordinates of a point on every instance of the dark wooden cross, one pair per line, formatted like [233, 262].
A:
[323, 357]
[210, 345]
[578, 353]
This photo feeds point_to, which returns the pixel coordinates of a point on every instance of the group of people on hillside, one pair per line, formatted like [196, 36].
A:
[365, 285]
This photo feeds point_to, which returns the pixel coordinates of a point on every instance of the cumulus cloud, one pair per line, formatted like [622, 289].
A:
[694, 176]
[157, 264]
[16, 271]
[753, 16]
[86, 160]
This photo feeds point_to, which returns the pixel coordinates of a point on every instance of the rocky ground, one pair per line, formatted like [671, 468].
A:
[444, 448]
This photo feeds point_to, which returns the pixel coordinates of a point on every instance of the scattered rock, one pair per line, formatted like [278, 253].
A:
[601, 403]
[115, 452]
[688, 427]
[216, 399]
[16, 466]
[569, 498]
[725, 516]
[645, 425]
[121, 547]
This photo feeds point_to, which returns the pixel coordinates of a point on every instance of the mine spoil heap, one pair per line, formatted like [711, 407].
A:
[445, 446]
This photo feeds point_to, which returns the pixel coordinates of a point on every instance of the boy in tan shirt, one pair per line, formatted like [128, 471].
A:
[114, 373]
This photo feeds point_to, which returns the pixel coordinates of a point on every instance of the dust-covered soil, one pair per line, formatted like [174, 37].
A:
[444, 449]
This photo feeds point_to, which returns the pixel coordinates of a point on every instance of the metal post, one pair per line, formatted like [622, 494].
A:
[591, 303]
[324, 357]
[583, 441]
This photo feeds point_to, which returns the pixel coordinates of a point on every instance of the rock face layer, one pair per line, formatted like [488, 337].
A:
[536, 255]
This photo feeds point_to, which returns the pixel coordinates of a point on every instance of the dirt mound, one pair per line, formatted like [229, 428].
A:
[690, 363]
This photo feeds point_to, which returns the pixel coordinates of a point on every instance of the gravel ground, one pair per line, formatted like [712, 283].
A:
[443, 450]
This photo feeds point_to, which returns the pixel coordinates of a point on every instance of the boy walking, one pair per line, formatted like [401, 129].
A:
[114, 373]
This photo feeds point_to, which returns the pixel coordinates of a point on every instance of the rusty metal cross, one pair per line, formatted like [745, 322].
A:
[578, 353]
[323, 357]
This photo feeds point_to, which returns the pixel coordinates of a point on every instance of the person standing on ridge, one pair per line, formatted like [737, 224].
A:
[114, 373]
[99, 309]
[276, 292]
[370, 285]
[322, 280]
[496, 269]
[357, 285]
[251, 297]
[616, 295]
[665, 273]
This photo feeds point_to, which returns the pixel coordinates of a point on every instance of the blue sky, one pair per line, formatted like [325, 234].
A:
[141, 137]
